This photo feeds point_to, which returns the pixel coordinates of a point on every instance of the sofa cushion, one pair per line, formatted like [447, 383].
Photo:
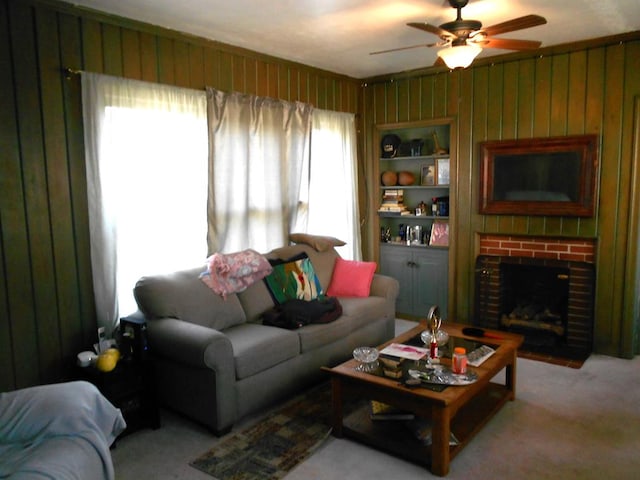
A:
[184, 295]
[293, 278]
[259, 347]
[322, 261]
[356, 313]
[255, 300]
[318, 242]
[319, 335]
[351, 278]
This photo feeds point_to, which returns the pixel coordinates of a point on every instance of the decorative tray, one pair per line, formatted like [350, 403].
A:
[442, 375]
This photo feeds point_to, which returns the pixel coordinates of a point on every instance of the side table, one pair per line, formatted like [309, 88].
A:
[130, 388]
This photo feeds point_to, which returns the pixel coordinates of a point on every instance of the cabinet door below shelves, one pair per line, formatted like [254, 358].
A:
[396, 262]
[431, 280]
[422, 274]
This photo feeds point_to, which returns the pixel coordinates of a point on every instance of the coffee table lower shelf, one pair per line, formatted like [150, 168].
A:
[395, 437]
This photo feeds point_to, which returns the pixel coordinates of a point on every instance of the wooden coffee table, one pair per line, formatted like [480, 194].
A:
[462, 410]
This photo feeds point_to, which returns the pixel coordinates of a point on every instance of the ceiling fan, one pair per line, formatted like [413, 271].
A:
[463, 40]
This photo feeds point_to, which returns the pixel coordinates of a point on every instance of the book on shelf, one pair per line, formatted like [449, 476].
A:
[392, 208]
[439, 234]
[392, 192]
[392, 201]
[393, 198]
[384, 411]
[388, 213]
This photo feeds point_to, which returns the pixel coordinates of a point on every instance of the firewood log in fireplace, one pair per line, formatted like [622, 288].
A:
[509, 322]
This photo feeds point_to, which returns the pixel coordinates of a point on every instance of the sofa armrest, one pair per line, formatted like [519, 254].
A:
[384, 286]
[202, 349]
[190, 344]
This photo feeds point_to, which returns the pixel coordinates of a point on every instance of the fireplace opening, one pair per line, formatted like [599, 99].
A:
[534, 302]
[548, 301]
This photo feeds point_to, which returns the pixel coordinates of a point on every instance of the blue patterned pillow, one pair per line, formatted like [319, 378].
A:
[293, 278]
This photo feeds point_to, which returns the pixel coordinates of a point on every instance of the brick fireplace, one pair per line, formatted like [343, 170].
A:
[540, 287]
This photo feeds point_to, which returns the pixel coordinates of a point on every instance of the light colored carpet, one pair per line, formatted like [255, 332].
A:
[565, 423]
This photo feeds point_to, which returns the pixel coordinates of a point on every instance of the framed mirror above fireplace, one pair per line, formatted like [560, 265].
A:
[539, 176]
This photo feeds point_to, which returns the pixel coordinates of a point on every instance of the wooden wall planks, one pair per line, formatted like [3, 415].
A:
[587, 89]
[46, 294]
[46, 297]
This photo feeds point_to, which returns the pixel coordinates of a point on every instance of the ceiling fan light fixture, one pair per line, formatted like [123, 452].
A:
[459, 56]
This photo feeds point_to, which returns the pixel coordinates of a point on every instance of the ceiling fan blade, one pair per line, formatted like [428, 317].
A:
[509, 44]
[439, 62]
[403, 48]
[432, 29]
[520, 23]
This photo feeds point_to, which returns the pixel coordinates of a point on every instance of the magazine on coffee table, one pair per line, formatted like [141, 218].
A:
[404, 351]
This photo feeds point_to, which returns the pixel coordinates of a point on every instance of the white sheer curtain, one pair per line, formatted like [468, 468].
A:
[146, 159]
[258, 160]
[333, 194]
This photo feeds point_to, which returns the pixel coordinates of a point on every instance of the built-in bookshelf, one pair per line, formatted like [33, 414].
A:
[414, 161]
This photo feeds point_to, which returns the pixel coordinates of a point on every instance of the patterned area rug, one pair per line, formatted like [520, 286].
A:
[273, 446]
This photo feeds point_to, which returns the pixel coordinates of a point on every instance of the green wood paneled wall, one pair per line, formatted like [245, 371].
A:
[46, 298]
[588, 89]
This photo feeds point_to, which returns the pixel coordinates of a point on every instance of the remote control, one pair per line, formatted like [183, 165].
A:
[479, 355]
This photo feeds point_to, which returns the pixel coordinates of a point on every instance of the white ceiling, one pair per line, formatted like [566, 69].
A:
[338, 35]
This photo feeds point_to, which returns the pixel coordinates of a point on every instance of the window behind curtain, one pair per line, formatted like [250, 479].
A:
[146, 154]
[147, 173]
[333, 195]
[259, 150]
[280, 167]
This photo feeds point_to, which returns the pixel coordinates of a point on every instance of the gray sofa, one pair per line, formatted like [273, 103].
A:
[214, 360]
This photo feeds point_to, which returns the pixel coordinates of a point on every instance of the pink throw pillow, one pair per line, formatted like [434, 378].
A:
[351, 278]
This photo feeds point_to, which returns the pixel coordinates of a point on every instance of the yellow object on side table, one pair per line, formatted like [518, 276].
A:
[108, 360]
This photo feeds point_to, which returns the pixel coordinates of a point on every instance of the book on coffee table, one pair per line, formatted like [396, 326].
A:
[404, 351]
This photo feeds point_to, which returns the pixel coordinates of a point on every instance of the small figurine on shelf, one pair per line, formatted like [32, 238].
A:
[437, 149]
[385, 234]
[421, 209]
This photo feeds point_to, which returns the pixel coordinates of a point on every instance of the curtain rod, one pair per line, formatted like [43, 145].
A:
[68, 72]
